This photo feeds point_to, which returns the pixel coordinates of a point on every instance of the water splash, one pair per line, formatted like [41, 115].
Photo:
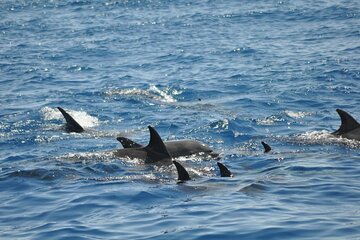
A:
[296, 115]
[82, 117]
[86, 157]
[221, 124]
[164, 96]
[270, 120]
[325, 137]
[152, 93]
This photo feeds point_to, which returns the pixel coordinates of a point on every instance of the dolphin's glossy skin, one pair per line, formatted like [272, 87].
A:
[154, 152]
[178, 148]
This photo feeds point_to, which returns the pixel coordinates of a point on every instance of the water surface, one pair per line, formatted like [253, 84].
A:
[228, 73]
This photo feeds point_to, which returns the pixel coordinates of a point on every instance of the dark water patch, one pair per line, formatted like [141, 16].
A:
[303, 169]
[44, 174]
[289, 232]
[261, 163]
[350, 229]
[144, 198]
[74, 232]
[181, 59]
[271, 169]
[108, 168]
[254, 188]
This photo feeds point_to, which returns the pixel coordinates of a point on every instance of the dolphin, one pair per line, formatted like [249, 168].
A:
[266, 146]
[224, 171]
[349, 127]
[154, 152]
[178, 148]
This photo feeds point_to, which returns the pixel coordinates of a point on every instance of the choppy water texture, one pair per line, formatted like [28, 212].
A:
[228, 73]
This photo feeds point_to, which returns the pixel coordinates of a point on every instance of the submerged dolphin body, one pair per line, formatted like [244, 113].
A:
[179, 148]
[349, 127]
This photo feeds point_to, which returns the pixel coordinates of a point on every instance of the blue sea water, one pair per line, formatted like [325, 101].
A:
[228, 73]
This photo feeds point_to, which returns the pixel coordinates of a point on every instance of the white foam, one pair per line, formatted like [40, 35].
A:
[82, 117]
[85, 157]
[153, 93]
[316, 135]
[51, 113]
[221, 124]
[296, 115]
[269, 120]
[45, 139]
[166, 97]
[325, 137]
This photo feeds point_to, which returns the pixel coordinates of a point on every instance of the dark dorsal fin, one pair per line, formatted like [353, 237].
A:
[183, 175]
[127, 143]
[156, 148]
[224, 171]
[71, 124]
[266, 146]
[348, 123]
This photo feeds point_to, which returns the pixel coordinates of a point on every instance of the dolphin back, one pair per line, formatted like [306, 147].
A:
[127, 143]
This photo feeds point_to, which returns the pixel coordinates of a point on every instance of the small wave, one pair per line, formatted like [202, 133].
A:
[269, 120]
[221, 124]
[134, 177]
[243, 50]
[254, 188]
[153, 93]
[166, 97]
[281, 117]
[82, 117]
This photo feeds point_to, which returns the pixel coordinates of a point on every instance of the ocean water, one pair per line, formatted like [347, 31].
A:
[228, 73]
